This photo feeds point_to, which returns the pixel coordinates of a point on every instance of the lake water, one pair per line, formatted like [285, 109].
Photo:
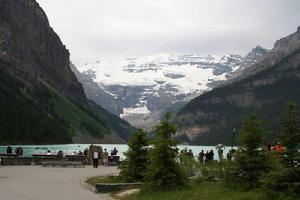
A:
[75, 148]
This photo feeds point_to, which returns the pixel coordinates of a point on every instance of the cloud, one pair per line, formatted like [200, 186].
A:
[108, 29]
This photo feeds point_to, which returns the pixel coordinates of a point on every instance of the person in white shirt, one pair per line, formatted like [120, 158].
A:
[95, 159]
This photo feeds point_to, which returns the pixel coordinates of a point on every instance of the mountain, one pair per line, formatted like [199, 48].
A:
[95, 93]
[147, 87]
[264, 88]
[41, 101]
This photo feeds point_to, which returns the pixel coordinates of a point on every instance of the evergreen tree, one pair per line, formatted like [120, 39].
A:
[284, 181]
[134, 166]
[251, 161]
[290, 133]
[164, 171]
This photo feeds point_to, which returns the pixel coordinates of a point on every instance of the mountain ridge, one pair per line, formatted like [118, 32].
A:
[42, 101]
[210, 118]
[149, 86]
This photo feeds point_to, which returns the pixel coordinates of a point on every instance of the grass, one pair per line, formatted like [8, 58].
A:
[200, 191]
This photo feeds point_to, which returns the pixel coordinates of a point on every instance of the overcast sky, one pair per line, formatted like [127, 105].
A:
[110, 29]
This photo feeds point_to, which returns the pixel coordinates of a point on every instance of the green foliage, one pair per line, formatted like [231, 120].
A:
[200, 191]
[290, 133]
[213, 169]
[187, 163]
[284, 180]
[251, 138]
[164, 172]
[91, 127]
[26, 115]
[251, 162]
[33, 112]
[223, 108]
[134, 167]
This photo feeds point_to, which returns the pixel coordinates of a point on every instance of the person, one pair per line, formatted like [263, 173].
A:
[190, 153]
[114, 152]
[201, 157]
[233, 154]
[207, 156]
[60, 155]
[211, 155]
[278, 147]
[105, 157]
[9, 150]
[86, 151]
[220, 154]
[229, 155]
[19, 151]
[48, 152]
[278, 150]
[95, 159]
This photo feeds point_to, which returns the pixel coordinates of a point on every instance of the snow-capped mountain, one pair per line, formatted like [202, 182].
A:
[149, 86]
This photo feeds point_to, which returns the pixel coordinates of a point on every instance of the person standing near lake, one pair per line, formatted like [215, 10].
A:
[105, 157]
[201, 157]
[95, 158]
[211, 155]
[220, 154]
[9, 150]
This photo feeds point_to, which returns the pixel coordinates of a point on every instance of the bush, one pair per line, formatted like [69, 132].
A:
[187, 163]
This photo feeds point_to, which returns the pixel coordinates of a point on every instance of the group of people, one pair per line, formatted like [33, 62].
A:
[18, 151]
[205, 157]
[97, 155]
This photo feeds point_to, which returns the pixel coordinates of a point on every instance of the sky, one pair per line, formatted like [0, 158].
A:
[115, 29]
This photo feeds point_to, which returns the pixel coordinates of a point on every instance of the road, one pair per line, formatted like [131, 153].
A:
[41, 183]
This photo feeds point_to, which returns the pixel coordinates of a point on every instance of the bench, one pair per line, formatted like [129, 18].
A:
[62, 164]
[113, 160]
[7, 155]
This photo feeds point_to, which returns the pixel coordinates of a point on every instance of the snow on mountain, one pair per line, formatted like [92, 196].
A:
[147, 87]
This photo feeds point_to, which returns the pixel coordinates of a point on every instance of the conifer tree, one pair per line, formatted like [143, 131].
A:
[251, 161]
[164, 171]
[284, 181]
[135, 164]
[290, 133]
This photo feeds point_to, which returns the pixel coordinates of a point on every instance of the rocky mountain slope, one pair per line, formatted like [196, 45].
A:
[95, 93]
[149, 86]
[264, 88]
[41, 99]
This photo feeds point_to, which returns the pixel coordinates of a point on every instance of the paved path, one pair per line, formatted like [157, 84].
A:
[40, 183]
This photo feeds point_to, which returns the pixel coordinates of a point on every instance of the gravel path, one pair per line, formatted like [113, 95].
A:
[40, 183]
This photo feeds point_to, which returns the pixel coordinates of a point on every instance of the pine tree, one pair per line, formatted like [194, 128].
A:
[134, 167]
[290, 133]
[164, 171]
[251, 162]
[284, 181]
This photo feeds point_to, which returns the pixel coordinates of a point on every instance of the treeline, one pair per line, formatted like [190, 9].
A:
[26, 115]
[254, 166]
[220, 110]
